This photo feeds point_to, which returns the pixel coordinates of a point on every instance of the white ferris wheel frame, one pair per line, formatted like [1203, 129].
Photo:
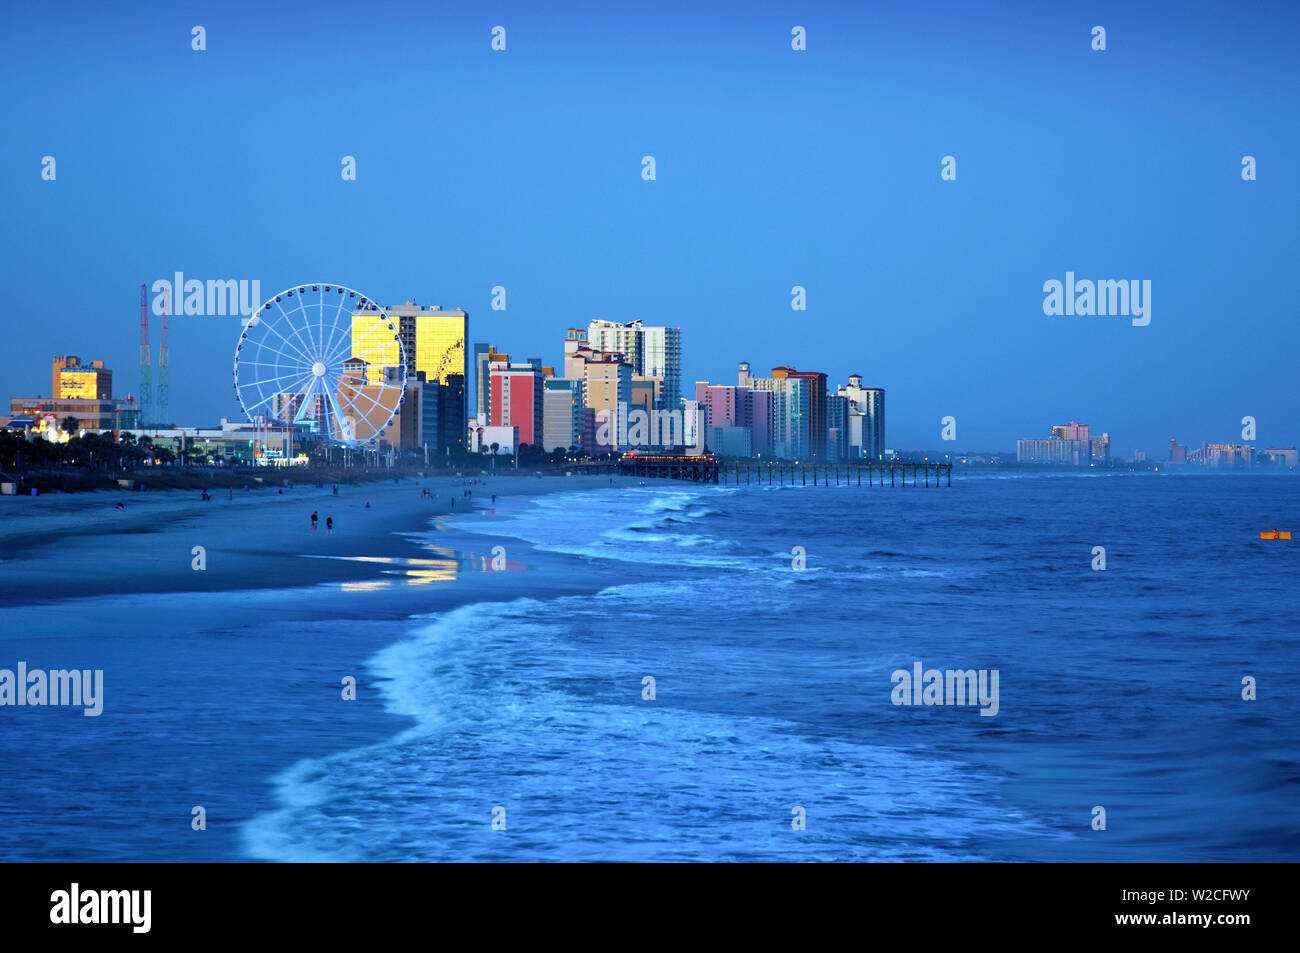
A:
[308, 357]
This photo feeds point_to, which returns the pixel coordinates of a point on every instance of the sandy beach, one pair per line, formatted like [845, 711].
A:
[61, 545]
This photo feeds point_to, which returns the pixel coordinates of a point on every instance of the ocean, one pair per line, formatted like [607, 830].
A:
[771, 620]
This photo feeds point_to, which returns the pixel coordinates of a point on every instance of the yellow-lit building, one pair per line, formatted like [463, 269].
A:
[433, 339]
[73, 380]
[374, 341]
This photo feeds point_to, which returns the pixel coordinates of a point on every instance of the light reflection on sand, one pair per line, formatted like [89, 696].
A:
[418, 572]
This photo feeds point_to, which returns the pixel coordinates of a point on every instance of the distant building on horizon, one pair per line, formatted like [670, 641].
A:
[1284, 456]
[1222, 455]
[1071, 444]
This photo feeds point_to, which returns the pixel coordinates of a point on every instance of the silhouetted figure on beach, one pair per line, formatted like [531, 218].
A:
[313, 521]
[329, 524]
[367, 504]
[494, 499]
[336, 489]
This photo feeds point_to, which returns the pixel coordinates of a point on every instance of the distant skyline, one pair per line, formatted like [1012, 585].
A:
[775, 168]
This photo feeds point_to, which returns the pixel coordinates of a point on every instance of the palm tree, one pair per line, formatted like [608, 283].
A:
[495, 448]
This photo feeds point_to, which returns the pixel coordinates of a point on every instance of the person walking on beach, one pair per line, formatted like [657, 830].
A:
[329, 525]
[313, 521]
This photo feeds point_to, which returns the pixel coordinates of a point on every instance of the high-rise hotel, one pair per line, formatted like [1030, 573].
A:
[654, 353]
[434, 343]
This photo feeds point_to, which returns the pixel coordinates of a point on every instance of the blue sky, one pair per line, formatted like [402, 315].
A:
[775, 169]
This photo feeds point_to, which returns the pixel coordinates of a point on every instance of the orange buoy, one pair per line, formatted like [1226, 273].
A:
[1274, 534]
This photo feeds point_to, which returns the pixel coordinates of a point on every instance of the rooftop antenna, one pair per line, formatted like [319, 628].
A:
[146, 372]
[163, 360]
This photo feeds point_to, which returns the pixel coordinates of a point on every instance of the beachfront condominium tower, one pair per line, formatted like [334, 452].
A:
[563, 414]
[576, 351]
[723, 406]
[485, 354]
[866, 419]
[873, 430]
[816, 407]
[789, 412]
[515, 399]
[837, 425]
[608, 382]
[654, 352]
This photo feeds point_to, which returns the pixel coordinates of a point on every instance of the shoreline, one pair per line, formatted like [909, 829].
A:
[74, 546]
[250, 653]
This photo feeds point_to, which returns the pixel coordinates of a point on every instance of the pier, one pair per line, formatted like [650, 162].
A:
[743, 473]
[709, 469]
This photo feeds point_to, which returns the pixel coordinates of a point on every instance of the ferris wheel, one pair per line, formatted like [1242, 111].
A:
[323, 355]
